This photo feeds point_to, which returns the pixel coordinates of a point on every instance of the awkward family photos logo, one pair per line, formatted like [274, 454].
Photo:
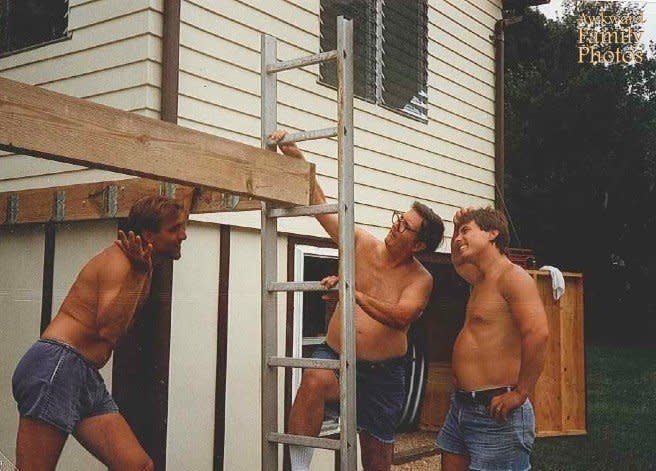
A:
[610, 35]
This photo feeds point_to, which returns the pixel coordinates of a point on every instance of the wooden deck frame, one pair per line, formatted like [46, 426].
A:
[89, 201]
[45, 124]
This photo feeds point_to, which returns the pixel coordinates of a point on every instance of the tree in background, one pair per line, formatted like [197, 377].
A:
[581, 167]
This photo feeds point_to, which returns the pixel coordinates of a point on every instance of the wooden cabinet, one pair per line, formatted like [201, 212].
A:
[559, 397]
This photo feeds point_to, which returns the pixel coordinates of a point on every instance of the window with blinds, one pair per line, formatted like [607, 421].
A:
[27, 23]
[390, 45]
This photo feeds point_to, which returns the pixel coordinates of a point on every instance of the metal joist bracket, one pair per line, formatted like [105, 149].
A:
[110, 201]
[230, 201]
[59, 208]
[168, 189]
[12, 209]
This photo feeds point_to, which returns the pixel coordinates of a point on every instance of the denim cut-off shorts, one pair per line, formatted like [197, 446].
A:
[491, 446]
[380, 394]
[54, 383]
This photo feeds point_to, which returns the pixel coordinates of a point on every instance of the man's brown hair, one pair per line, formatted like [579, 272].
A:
[489, 219]
[432, 227]
[148, 213]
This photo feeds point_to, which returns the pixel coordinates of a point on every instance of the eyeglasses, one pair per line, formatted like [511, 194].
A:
[398, 220]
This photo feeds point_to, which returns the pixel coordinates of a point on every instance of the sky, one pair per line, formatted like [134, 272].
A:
[551, 10]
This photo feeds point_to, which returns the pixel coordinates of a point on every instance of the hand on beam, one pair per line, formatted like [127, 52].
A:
[288, 148]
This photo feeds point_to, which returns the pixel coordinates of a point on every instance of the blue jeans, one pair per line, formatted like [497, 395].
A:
[380, 394]
[491, 446]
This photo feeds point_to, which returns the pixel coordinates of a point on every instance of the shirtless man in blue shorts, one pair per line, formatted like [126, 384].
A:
[392, 289]
[57, 384]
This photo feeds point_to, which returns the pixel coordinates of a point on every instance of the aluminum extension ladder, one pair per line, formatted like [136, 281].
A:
[271, 436]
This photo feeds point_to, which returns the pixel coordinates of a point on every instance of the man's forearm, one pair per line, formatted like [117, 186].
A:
[318, 196]
[534, 347]
[383, 312]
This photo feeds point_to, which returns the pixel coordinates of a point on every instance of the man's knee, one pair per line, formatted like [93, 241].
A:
[318, 383]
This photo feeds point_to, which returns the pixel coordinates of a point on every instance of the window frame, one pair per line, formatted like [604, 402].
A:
[4, 33]
[301, 250]
[377, 99]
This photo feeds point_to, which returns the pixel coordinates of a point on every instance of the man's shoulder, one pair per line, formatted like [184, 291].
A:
[366, 237]
[111, 261]
[420, 273]
[514, 279]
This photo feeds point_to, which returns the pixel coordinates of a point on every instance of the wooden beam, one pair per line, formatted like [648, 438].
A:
[45, 124]
[88, 201]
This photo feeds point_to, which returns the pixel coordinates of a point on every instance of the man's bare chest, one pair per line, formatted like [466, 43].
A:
[487, 305]
[384, 283]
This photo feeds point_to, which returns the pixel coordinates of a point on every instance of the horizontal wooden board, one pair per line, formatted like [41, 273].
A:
[85, 201]
[54, 126]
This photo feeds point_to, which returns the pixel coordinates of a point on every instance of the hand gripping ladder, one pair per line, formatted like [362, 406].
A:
[271, 436]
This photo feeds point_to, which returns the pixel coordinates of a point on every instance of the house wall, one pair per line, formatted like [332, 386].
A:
[22, 249]
[20, 316]
[113, 57]
[192, 367]
[445, 163]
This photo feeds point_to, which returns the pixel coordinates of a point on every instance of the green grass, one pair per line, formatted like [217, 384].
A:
[621, 416]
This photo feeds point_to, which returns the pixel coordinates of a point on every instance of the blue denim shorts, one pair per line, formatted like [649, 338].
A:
[54, 383]
[380, 394]
[490, 445]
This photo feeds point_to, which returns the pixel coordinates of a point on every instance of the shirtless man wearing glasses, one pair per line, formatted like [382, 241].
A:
[392, 289]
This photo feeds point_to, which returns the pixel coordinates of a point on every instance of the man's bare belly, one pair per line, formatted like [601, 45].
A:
[373, 340]
[485, 360]
[68, 329]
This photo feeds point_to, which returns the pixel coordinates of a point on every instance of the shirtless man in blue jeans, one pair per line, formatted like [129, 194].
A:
[498, 355]
[57, 384]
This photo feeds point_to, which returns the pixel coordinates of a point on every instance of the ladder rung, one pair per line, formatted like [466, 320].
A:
[314, 442]
[279, 66]
[312, 210]
[306, 136]
[298, 286]
[287, 362]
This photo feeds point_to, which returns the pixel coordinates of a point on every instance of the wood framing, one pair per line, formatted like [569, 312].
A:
[107, 200]
[45, 124]
[222, 348]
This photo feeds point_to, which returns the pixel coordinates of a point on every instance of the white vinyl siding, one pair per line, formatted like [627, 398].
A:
[112, 57]
[446, 163]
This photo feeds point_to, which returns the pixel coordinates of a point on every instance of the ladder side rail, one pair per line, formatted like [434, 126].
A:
[269, 270]
[348, 436]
